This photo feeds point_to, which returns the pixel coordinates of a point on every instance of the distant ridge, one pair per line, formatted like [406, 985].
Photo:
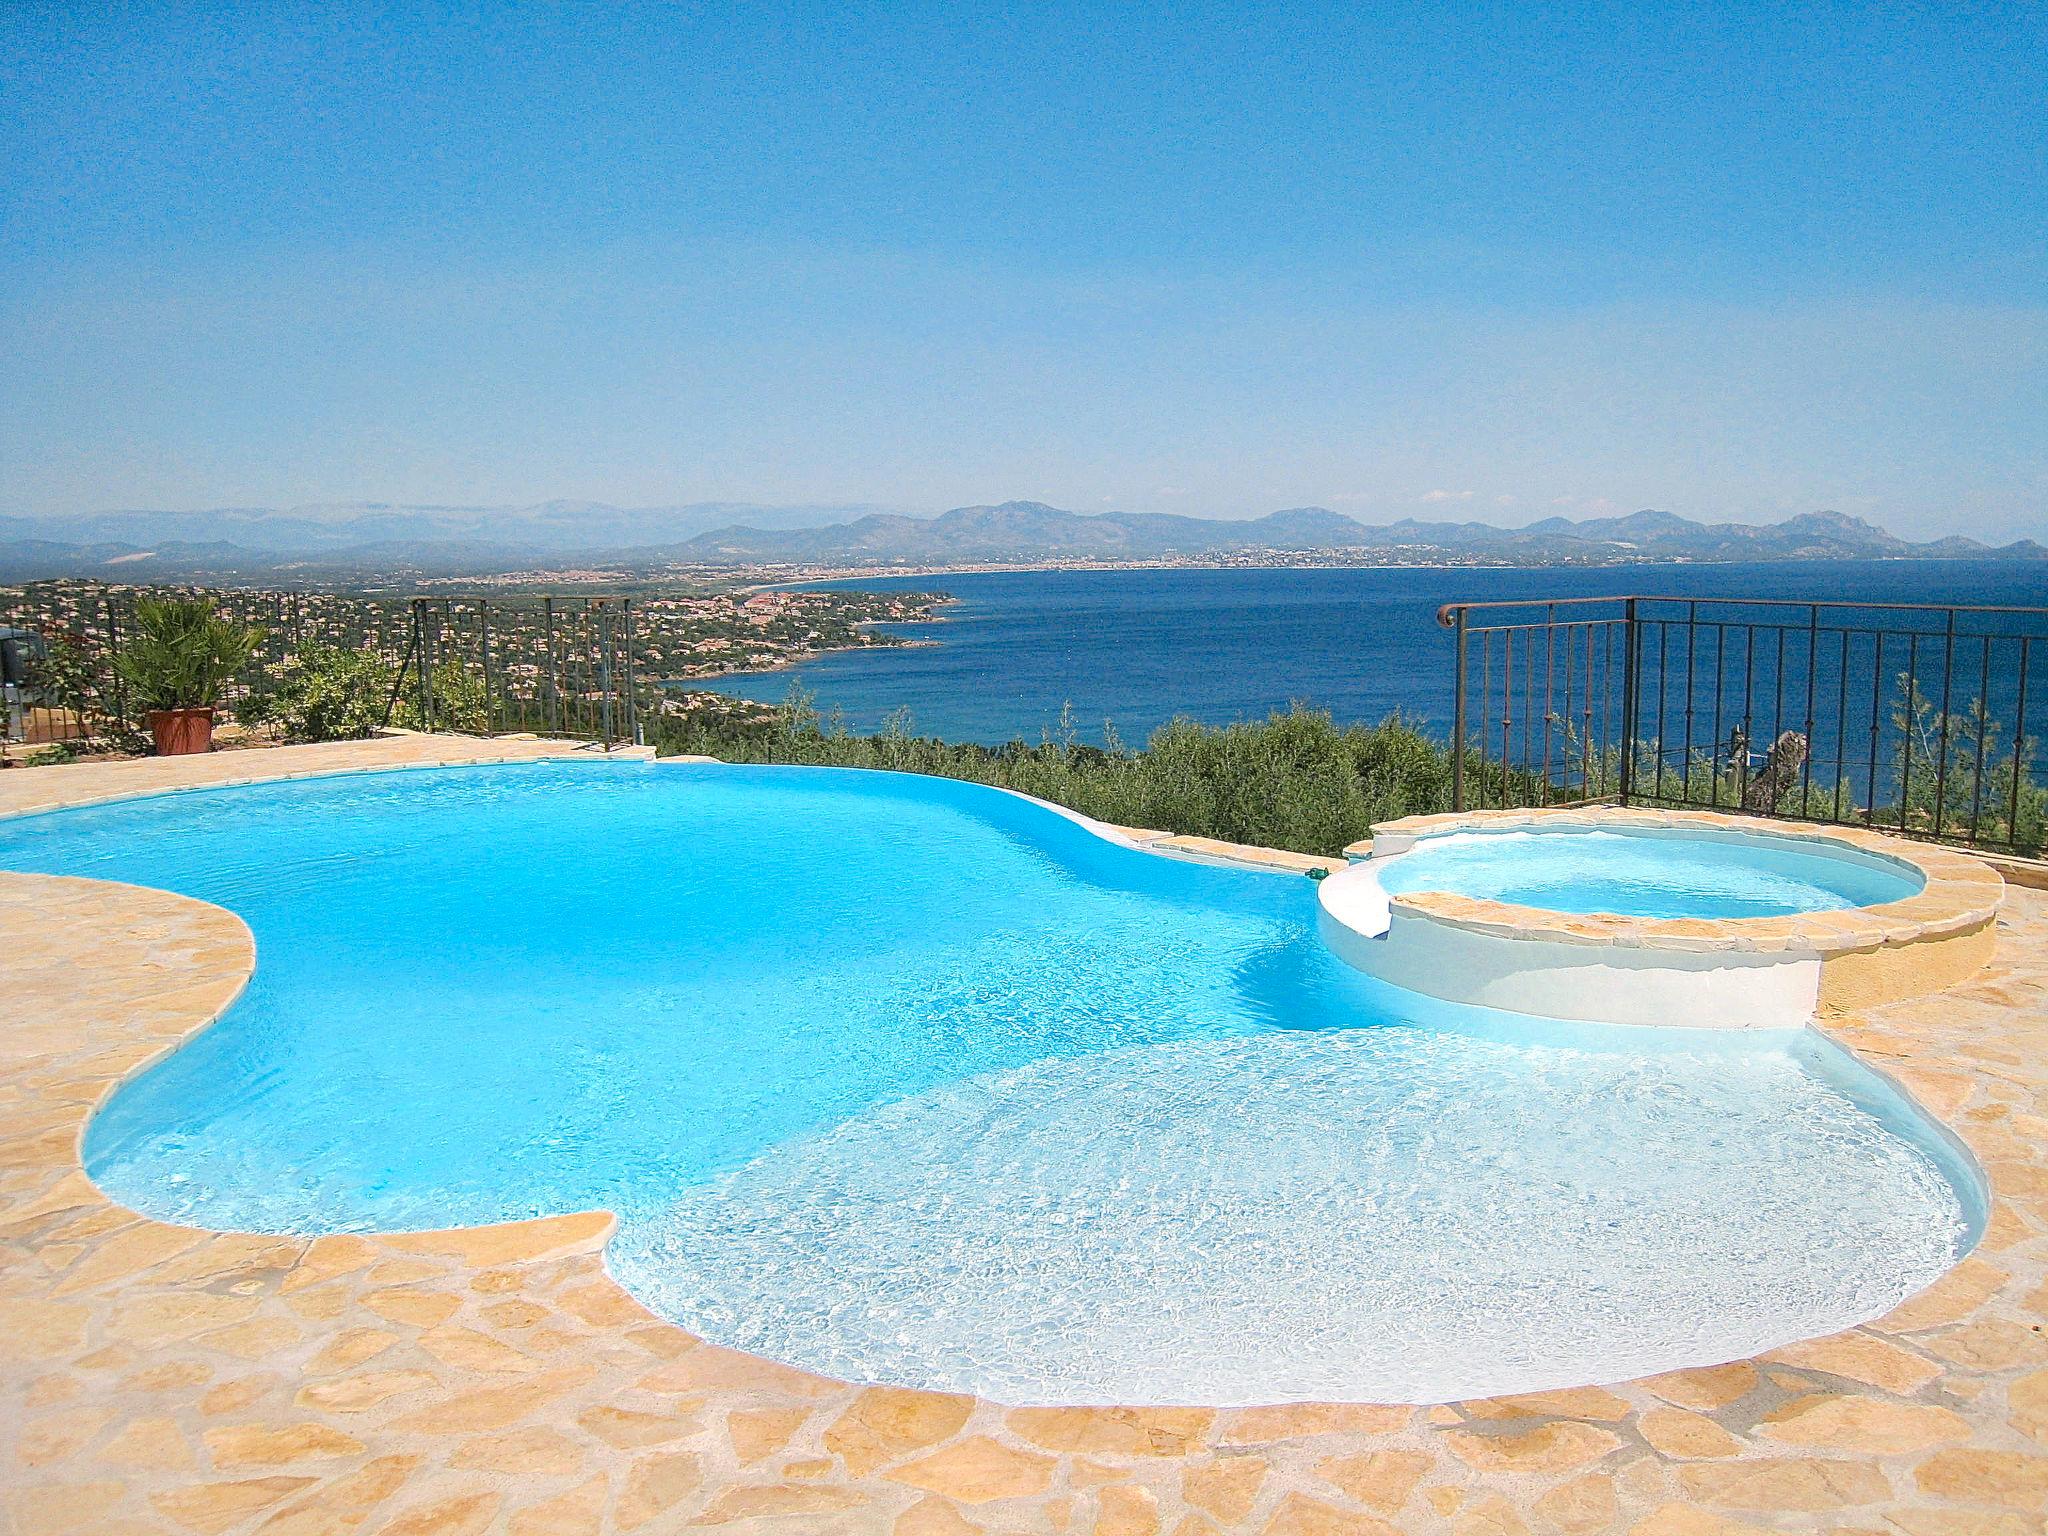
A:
[337, 542]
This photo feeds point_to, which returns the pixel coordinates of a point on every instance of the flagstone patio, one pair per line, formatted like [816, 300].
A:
[163, 1379]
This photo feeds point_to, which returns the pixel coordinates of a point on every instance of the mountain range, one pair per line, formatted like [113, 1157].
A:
[358, 541]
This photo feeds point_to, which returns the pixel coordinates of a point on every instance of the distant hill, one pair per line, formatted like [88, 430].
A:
[358, 541]
[1030, 530]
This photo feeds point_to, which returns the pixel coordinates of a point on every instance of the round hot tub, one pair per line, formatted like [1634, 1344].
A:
[1640, 917]
[1653, 872]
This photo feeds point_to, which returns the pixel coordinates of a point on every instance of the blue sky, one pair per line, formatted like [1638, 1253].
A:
[1503, 261]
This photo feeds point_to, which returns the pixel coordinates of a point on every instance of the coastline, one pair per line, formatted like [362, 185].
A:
[802, 658]
[822, 575]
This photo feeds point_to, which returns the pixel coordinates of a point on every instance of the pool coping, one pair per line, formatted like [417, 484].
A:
[1931, 1416]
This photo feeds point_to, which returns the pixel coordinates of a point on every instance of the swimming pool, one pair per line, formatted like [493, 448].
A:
[911, 1081]
[1649, 872]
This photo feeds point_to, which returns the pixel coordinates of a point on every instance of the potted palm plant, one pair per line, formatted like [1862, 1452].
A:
[177, 659]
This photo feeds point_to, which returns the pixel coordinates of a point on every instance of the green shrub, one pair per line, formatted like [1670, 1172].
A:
[459, 702]
[1294, 780]
[331, 695]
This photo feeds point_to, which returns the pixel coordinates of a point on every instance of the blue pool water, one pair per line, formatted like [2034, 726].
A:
[1646, 873]
[913, 1081]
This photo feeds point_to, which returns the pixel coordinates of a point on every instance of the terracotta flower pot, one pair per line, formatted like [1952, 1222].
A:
[182, 731]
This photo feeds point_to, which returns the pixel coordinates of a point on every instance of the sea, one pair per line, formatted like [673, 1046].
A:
[1016, 652]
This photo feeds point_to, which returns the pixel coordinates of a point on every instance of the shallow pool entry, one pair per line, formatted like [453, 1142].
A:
[911, 1081]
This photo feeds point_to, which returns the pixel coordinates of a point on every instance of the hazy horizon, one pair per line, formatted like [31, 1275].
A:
[1737, 265]
[800, 514]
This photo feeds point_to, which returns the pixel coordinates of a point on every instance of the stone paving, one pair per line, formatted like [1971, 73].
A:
[163, 1379]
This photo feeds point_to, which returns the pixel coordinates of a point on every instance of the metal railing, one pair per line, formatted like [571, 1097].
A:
[554, 666]
[1911, 718]
[548, 664]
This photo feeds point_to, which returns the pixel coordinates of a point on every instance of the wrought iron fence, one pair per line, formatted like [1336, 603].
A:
[552, 665]
[1906, 717]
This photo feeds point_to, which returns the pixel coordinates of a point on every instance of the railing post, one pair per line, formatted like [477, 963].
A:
[632, 694]
[419, 618]
[554, 687]
[1631, 667]
[412, 645]
[1458, 722]
[483, 624]
[604, 670]
[113, 658]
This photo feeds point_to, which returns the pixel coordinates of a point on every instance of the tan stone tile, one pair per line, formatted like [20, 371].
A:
[1706, 1388]
[322, 1303]
[171, 1376]
[656, 1484]
[2027, 1401]
[1381, 1480]
[260, 1445]
[516, 1312]
[626, 1428]
[1687, 1435]
[1800, 1484]
[62, 1509]
[1990, 1344]
[388, 1272]
[885, 1424]
[1300, 1515]
[153, 1443]
[1882, 1427]
[2011, 1478]
[345, 1503]
[48, 1391]
[1561, 1446]
[1947, 1520]
[1119, 1431]
[352, 1347]
[1225, 1486]
[539, 1450]
[126, 1254]
[778, 1501]
[977, 1470]
[462, 1514]
[760, 1432]
[238, 1394]
[1951, 1299]
[257, 1339]
[1290, 1421]
[491, 1407]
[356, 1394]
[1492, 1515]
[211, 1508]
[1579, 1506]
[579, 1512]
[40, 1330]
[327, 1257]
[56, 1436]
[710, 1368]
[1684, 1520]
[1861, 1357]
[466, 1349]
[934, 1516]
[418, 1309]
[1595, 1403]
[1126, 1509]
